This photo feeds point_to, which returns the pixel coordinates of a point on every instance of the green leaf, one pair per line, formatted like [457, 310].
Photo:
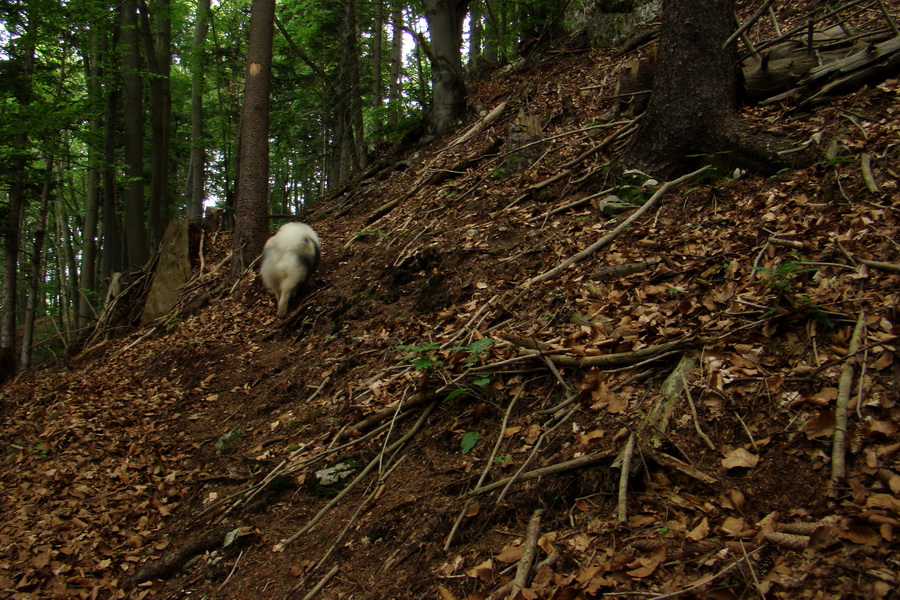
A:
[468, 441]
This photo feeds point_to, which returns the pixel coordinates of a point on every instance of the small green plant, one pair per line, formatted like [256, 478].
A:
[501, 172]
[364, 234]
[468, 441]
[502, 460]
[423, 356]
[474, 350]
[784, 276]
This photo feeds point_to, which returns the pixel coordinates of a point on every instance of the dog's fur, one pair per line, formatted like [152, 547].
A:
[290, 257]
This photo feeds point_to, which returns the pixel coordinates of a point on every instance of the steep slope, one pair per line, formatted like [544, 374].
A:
[756, 306]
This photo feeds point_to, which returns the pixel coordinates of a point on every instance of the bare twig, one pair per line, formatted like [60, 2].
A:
[322, 583]
[749, 23]
[690, 399]
[627, 453]
[845, 383]
[523, 570]
[563, 467]
[609, 237]
[865, 161]
[884, 266]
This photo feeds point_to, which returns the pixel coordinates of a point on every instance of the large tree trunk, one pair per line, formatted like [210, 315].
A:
[111, 261]
[692, 113]
[158, 48]
[13, 221]
[251, 207]
[133, 91]
[445, 21]
[198, 142]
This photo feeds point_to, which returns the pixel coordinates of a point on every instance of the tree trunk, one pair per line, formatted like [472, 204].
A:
[395, 91]
[13, 221]
[35, 275]
[111, 260]
[692, 113]
[198, 142]
[377, 43]
[445, 20]
[88, 284]
[251, 210]
[158, 49]
[133, 91]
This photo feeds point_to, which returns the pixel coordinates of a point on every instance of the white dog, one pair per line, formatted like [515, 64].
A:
[290, 257]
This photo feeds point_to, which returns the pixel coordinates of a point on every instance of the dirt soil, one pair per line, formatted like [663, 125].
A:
[668, 430]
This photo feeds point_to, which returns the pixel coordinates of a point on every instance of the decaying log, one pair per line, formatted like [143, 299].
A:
[845, 382]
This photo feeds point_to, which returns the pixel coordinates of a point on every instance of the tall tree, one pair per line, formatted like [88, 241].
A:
[693, 106]
[251, 214]
[198, 142]
[445, 25]
[158, 49]
[23, 54]
[133, 93]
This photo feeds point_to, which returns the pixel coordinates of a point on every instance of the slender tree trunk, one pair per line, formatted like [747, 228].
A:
[198, 142]
[133, 91]
[88, 284]
[377, 43]
[395, 90]
[251, 210]
[13, 221]
[112, 236]
[36, 271]
[445, 21]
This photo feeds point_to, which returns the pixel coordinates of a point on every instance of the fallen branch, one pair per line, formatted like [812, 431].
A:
[619, 359]
[627, 453]
[623, 270]
[563, 467]
[865, 161]
[173, 562]
[524, 568]
[480, 125]
[667, 460]
[362, 475]
[845, 384]
[884, 266]
[655, 424]
[690, 399]
[609, 237]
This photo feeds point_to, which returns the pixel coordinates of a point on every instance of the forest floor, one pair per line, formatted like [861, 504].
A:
[662, 430]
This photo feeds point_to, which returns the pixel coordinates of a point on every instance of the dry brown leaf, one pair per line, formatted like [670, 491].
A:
[740, 458]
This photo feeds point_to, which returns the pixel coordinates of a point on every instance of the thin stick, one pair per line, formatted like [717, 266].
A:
[563, 467]
[627, 453]
[606, 239]
[487, 468]
[523, 570]
[537, 445]
[845, 383]
[415, 429]
[690, 399]
[759, 12]
[322, 583]
[865, 161]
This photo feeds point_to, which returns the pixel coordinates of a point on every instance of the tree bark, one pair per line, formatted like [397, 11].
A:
[111, 260]
[395, 91]
[13, 221]
[133, 92]
[158, 48]
[35, 271]
[198, 142]
[692, 114]
[445, 20]
[88, 284]
[251, 206]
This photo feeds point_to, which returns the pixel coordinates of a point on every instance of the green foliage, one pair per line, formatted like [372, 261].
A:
[468, 441]
[422, 355]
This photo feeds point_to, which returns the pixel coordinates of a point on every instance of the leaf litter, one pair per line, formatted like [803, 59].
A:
[184, 462]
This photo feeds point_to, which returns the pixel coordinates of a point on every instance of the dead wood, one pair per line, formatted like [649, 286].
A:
[480, 125]
[865, 163]
[884, 266]
[458, 168]
[653, 429]
[845, 383]
[627, 454]
[362, 475]
[609, 237]
[623, 270]
[620, 359]
[524, 569]
[563, 467]
[667, 460]
[174, 561]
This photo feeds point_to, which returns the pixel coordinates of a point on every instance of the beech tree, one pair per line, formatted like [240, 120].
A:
[693, 108]
[448, 88]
